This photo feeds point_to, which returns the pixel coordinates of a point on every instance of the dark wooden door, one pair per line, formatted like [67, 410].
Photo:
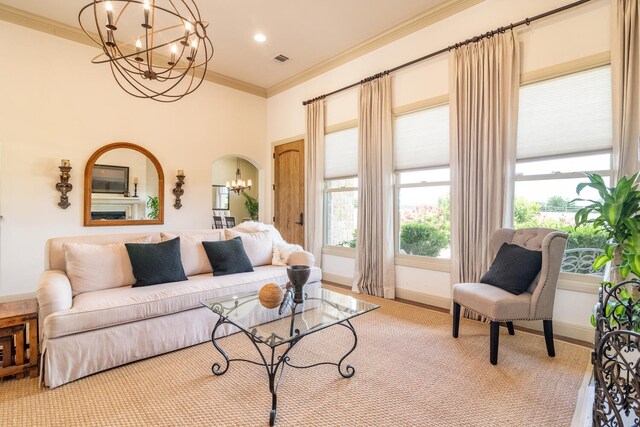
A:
[289, 191]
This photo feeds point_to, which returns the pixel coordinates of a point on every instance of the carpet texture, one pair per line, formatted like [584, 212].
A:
[409, 372]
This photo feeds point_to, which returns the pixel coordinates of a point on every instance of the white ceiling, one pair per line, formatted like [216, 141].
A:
[307, 31]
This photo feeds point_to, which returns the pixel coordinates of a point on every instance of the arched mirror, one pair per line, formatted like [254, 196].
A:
[123, 185]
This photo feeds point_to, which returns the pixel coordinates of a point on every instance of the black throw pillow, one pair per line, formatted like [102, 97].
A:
[155, 263]
[227, 257]
[513, 269]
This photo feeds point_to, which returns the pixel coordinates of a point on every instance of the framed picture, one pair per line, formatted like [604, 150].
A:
[110, 179]
[220, 198]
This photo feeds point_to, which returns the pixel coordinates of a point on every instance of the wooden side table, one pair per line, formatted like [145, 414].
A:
[19, 338]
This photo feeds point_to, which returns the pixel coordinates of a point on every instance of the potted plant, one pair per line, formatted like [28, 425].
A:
[617, 216]
[153, 204]
[616, 316]
[251, 205]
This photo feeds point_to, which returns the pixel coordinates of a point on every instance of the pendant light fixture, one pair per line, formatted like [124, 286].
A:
[238, 185]
[157, 49]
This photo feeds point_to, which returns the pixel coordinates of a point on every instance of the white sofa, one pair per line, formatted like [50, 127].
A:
[85, 333]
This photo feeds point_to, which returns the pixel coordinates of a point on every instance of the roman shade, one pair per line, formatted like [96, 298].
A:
[421, 139]
[566, 115]
[341, 154]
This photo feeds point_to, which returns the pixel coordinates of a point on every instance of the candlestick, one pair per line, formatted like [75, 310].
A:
[187, 32]
[147, 9]
[109, 8]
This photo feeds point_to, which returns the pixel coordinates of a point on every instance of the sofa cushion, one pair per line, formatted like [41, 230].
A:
[258, 245]
[227, 257]
[109, 307]
[156, 262]
[194, 258]
[513, 269]
[93, 267]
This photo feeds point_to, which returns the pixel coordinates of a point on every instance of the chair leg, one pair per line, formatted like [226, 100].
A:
[494, 338]
[456, 319]
[548, 337]
[510, 328]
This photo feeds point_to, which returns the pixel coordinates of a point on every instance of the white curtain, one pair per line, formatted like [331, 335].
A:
[625, 75]
[314, 154]
[374, 241]
[484, 83]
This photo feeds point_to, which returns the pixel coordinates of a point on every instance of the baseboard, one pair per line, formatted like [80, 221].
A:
[336, 278]
[17, 297]
[563, 329]
[433, 300]
[583, 414]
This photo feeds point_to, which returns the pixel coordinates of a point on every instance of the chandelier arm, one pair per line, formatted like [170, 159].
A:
[84, 29]
[143, 95]
[188, 89]
[129, 55]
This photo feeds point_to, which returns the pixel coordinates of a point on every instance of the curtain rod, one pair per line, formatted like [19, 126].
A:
[488, 34]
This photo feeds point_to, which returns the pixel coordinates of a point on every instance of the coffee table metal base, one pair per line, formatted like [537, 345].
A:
[275, 364]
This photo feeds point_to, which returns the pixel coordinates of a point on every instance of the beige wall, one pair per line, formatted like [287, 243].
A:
[57, 105]
[223, 170]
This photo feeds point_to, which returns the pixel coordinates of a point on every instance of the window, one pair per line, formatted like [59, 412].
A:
[421, 157]
[341, 187]
[564, 130]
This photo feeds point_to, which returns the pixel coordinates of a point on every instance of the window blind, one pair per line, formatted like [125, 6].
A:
[566, 115]
[421, 139]
[341, 154]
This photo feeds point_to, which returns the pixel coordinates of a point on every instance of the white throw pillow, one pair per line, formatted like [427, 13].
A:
[258, 245]
[194, 258]
[92, 267]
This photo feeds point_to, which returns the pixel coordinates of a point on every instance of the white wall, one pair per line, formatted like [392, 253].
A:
[57, 105]
[574, 34]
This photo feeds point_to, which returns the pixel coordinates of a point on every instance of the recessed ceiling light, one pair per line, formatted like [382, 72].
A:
[260, 38]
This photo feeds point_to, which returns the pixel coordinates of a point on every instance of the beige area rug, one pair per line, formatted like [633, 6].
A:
[409, 372]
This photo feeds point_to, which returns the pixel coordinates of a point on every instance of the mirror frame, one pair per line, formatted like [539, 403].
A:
[88, 173]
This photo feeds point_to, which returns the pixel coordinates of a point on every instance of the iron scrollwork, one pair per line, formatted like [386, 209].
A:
[273, 363]
[616, 356]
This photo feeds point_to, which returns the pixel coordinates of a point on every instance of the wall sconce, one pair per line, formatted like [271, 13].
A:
[64, 186]
[178, 191]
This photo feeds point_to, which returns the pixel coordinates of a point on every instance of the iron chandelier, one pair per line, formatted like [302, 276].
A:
[157, 49]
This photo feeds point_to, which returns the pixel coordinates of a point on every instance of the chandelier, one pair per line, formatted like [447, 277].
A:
[238, 185]
[157, 49]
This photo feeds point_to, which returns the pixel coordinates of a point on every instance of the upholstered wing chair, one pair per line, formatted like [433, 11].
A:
[500, 306]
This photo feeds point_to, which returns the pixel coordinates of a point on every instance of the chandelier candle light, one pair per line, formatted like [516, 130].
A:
[157, 49]
[238, 185]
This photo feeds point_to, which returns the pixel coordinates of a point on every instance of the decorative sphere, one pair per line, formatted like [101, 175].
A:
[271, 295]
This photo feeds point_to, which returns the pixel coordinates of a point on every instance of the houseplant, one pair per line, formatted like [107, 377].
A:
[153, 204]
[616, 316]
[251, 205]
[617, 216]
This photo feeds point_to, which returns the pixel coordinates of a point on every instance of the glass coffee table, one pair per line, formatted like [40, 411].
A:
[270, 330]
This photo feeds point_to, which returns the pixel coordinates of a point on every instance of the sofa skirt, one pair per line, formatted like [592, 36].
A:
[71, 357]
